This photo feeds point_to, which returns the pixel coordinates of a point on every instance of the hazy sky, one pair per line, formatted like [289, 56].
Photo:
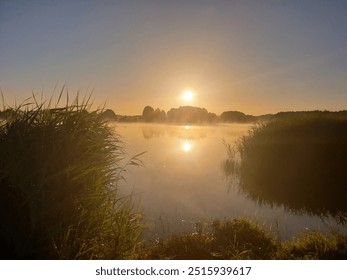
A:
[252, 56]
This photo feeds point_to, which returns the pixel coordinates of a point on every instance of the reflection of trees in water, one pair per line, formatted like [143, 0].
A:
[174, 132]
[300, 164]
[150, 132]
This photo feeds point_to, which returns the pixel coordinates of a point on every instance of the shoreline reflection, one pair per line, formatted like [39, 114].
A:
[183, 180]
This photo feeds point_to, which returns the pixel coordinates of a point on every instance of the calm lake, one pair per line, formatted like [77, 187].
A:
[182, 182]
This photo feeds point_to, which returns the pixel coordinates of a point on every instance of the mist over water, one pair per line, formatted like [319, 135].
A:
[182, 182]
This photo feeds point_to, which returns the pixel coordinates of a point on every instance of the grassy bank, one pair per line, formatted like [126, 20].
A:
[58, 186]
[299, 162]
[243, 239]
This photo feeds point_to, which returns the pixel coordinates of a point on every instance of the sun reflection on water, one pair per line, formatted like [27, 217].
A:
[187, 146]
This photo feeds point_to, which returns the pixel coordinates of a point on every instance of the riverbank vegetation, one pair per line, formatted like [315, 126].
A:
[60, 168]
[244, 239]
[59, 191]
[298, 161]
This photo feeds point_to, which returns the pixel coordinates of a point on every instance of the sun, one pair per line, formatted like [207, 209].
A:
[187, 95]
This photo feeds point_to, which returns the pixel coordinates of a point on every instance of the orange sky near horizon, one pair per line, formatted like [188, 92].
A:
[257, 57]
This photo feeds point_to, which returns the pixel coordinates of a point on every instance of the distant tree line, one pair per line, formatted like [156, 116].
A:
[183, 114]
[237, 117]
[190, 114]
[109, 115]
[197, 115]
[151, 115]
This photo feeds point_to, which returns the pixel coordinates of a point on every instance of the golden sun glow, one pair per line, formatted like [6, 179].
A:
[187, 95]
[186, 147]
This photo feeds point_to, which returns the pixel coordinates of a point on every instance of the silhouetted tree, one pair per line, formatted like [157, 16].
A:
[159, 115]
[109, 115]
[212, 117]
[189, 114]
[148, 114]
[235, 116]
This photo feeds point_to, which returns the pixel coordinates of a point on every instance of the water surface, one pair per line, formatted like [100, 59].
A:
[182, 182]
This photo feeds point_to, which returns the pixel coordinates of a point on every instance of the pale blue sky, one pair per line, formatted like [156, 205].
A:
[252, 56]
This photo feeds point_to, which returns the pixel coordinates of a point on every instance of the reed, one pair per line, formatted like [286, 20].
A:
[59, 173]
[298, 162]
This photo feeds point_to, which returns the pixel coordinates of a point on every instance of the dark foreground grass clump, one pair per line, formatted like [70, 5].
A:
[59, 169]
[315, 245]
[243, 239]
[299, 162]
[231, 239]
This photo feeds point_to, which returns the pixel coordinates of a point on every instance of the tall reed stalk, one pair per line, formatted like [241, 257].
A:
[59, 169]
